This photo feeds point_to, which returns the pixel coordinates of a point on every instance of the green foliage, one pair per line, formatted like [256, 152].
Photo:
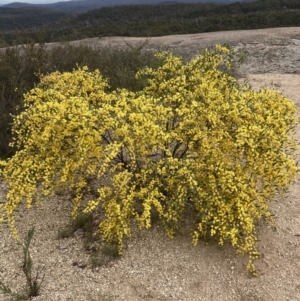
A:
[21, 66]
[27, 17]
[33, 282]
[193, 143]
[5, 290]
[18, 74]
[84, 222]
[104, 254]
[159, 20]
[99, 254]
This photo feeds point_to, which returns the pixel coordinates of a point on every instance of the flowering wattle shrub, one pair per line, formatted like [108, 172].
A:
[193, 143]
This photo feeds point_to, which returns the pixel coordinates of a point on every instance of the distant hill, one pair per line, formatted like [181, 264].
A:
[80, 6]
[27, 17]
[17, 5]
[44, 23]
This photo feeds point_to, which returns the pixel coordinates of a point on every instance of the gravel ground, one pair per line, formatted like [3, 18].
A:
[154, 267]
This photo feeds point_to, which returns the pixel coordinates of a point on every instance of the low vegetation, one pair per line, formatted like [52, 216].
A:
[187, 142]
[34, 279]
[147, 20]
[22, 66]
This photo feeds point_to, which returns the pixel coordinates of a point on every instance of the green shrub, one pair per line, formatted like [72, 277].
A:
[118, 64]
[22, 66]
[192, 143]
[19, 68]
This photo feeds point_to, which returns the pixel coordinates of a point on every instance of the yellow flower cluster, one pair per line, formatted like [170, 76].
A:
[192, 142]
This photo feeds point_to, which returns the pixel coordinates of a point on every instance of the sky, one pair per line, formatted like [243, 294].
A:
[31, 1]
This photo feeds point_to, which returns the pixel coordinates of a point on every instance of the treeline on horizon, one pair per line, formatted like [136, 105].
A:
[146, 20]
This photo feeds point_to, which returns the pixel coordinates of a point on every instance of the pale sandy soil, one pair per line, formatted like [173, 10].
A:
[154, 267]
